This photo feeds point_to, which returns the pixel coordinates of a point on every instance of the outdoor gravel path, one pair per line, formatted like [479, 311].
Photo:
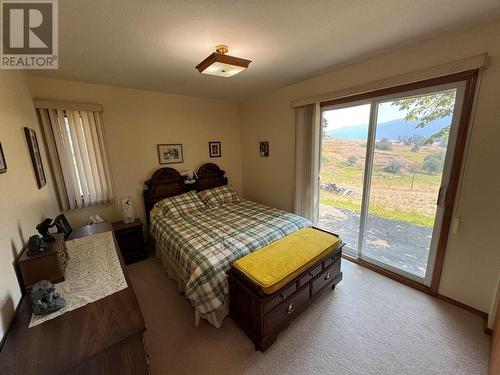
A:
[400, 244]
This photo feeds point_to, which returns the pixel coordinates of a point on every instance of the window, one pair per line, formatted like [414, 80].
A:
[77, 147]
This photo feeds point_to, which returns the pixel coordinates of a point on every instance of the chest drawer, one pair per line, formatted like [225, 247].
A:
[310, 275]
[280, 297]
[325, 278]
[332, 259]
[286, 308]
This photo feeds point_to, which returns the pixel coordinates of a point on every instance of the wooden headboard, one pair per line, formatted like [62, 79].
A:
[167, 182]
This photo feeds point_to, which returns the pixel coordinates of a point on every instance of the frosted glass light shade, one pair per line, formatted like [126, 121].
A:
[221, 65]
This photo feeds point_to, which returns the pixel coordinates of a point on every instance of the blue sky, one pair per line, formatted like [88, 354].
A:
[359, 115]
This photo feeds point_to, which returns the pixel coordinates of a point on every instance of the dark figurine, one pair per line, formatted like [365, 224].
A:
[36, 245]
[43, 229]
[45, 299]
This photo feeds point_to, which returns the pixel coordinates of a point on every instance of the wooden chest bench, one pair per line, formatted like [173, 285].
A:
[263, 314]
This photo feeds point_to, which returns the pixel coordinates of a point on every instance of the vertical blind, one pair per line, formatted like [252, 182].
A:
[77, 147]
[307, 145]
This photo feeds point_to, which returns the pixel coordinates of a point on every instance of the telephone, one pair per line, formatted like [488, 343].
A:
[94, 219]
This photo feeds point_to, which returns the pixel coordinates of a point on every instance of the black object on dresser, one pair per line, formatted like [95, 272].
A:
[130, 240]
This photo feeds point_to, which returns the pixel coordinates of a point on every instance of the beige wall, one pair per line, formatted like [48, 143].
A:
[473, 254]
[136, 121]
[22, 204]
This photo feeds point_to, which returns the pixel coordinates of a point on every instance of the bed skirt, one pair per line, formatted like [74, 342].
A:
[215, 317]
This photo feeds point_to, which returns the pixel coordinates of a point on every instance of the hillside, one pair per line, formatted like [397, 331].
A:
[391, 129]
[408, 194]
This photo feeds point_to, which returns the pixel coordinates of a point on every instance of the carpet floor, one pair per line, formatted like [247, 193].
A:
[368, 325]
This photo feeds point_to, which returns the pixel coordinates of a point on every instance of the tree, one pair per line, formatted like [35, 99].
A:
[428, 108]
[413, 169]
[324, 125]
[433, 163]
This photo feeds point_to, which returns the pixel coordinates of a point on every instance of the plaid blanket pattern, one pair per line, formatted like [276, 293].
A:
[204, 244]
[219, 195]
[181, 204]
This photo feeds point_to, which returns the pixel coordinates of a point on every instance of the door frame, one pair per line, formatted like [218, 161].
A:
[470, 78]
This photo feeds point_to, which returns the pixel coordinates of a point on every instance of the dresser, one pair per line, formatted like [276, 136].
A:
[102, 337]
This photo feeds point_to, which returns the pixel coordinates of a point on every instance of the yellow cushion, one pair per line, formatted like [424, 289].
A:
[278, 263]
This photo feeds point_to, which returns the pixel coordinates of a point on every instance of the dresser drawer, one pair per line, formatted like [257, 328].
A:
[286, 309]
[325, 278]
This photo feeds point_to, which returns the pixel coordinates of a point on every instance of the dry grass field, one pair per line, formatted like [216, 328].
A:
[407, 194]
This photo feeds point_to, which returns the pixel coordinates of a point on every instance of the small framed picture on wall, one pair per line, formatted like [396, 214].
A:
[3, 163]
[170, 154]
[264, 149]
[214, 149]
[36, 156]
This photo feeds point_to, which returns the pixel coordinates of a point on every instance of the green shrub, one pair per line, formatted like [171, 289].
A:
[433, 163]
[383, 145]
[392, 167]
[351, 160]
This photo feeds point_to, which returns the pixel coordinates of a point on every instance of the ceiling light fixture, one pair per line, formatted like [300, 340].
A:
[222, 65]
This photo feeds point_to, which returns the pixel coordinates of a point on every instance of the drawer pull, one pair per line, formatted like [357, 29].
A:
[282, 297]
[291, 308]
[328, 276]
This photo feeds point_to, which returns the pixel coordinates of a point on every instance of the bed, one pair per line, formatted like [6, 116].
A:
[197, 249]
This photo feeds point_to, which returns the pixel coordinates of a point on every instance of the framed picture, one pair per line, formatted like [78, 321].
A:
[264, 149]
[170, 154]
[36, 157]
[214, 149]
[3, 164]
[63, 226]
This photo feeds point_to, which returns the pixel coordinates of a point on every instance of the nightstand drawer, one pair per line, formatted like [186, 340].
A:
[129, 236]
[132, 253]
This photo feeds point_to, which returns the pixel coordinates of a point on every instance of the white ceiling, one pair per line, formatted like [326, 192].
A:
[155, 44]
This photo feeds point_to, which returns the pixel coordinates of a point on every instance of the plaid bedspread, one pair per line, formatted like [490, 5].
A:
[203, 245]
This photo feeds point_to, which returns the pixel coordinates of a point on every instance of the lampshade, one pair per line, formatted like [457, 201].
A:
[222, 65]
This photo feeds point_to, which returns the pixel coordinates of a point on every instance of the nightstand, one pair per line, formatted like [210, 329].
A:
[130, 240]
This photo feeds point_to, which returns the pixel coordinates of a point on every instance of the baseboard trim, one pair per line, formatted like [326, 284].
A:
[463, 306]
[420, 287]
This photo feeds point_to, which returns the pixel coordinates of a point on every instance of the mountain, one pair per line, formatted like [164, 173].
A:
[392, 130]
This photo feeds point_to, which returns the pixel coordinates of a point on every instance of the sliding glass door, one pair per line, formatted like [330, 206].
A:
[385, 165]
[343, 145]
